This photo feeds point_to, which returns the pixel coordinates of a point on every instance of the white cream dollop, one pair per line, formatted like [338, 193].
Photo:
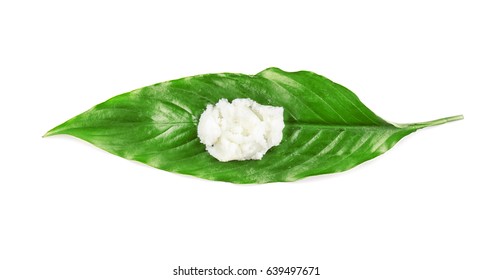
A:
[240, 130]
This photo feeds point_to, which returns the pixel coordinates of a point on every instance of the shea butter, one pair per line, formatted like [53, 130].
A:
[241, 129]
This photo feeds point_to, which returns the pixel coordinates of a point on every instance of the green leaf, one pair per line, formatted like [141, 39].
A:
[327, 128]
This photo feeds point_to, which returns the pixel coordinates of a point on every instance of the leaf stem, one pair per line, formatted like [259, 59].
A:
[431, 123]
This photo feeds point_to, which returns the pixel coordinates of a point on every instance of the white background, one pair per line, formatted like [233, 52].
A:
[71, 211]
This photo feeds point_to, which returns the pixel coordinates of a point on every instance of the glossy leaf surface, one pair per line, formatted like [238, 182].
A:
[327, 128]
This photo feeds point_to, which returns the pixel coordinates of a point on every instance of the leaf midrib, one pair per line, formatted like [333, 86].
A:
[312, 125]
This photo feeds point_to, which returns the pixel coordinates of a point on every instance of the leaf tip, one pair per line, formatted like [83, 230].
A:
[54, 131]
[49, 133]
